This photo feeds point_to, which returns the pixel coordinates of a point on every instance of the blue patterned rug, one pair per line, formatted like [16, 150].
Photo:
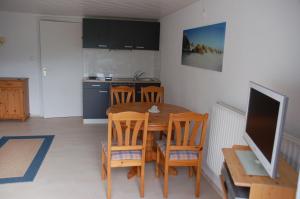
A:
[22, 156]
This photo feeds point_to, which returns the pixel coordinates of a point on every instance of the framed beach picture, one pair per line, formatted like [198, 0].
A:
[203, 47]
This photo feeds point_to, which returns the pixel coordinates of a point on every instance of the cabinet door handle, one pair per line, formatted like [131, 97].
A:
[102, 46]
[127, 46]
[140, 47]
[96, 85]
[103, 91]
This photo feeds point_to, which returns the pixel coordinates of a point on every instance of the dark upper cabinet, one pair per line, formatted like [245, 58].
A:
[96, 33]
[121, 33]
[118, 34]
[146, 35]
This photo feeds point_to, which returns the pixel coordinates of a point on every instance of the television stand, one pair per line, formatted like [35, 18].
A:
[260, 187]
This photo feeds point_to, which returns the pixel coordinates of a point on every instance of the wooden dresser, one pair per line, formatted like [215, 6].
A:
[14, 100]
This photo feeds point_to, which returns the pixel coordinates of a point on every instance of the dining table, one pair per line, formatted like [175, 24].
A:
[157, 122]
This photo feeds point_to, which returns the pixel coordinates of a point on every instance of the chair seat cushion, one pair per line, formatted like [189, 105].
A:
[123, 155]
[177, 155]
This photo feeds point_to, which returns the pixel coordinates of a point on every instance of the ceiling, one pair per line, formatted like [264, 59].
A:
[143, 9]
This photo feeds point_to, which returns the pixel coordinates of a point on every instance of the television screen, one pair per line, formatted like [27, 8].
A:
[262, 121]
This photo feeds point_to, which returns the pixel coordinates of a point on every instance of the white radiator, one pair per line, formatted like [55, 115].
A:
[227, 128]
[290, 149]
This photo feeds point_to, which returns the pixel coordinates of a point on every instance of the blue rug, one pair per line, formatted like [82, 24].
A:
[36, 162]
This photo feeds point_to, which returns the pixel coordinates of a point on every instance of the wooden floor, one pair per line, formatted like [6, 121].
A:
[71, 168]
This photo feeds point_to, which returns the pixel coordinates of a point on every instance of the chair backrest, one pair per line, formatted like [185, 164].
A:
[186, 127]
[152, 94]
[127, 126]
[122, 94]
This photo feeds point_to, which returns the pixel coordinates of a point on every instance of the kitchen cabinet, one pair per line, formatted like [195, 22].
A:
[96, 33]
[95, 100]
[120, 34]
[146, 36]
[96, 97]
[14, 99]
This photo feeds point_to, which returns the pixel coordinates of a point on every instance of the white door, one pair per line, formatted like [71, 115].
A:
[62, 70]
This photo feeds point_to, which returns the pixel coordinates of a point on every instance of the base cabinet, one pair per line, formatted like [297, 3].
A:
[138, 87]
[96, 97]
[14, 102]
[95, 100]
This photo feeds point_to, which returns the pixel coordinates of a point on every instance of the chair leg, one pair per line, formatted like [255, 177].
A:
[190, 171]
[157, 169]
[142, 181]
[198, 175]
[138, 172]
[108, 182]
[166, 175]
[103, 172]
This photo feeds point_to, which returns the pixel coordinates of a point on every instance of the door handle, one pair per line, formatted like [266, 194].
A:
[127, 46]
[140, 47]
[102, 46]
[96, 85]
[44, 71]
[103, 91]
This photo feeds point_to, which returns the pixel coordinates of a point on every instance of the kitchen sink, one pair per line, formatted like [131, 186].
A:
[123, 79]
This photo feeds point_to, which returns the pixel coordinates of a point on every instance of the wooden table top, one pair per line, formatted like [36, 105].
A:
[157, 121]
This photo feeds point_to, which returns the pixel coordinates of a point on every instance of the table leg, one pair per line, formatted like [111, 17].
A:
[150, 154]
[132, 172]
[150, 147]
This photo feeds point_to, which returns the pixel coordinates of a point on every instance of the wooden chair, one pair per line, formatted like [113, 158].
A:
[152, 94]
[122, 95]
[127, 151]
[184, 150]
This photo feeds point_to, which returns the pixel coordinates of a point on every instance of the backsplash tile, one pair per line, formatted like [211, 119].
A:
[121, 63]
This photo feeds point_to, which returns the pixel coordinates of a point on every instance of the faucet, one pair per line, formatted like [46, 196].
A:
[137, 75]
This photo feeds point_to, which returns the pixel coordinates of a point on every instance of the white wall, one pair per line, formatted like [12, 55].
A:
[261, 44]
[19, 56]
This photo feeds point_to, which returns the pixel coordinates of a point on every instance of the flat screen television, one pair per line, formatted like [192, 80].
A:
[264, 125]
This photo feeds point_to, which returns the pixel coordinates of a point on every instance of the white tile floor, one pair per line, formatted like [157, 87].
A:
[71, 168]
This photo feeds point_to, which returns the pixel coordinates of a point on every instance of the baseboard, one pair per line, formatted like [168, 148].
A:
[95, 121]
[212, 179]
[36, 116]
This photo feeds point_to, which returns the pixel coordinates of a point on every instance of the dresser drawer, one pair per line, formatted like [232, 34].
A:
[10, 84]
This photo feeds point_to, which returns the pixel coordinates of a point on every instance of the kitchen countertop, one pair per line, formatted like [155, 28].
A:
[125, 80]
